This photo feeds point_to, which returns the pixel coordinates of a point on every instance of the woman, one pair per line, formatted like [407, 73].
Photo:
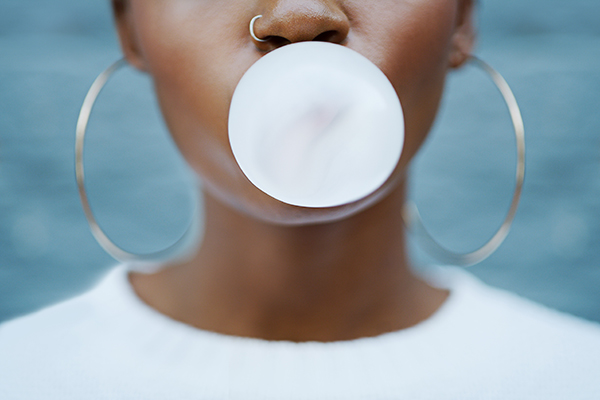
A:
[282, 301]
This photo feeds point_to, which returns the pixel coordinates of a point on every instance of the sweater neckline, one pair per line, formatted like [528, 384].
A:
[124, 300]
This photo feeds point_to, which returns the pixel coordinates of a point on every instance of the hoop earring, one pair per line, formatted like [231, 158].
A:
[108, 245]
[412, 218]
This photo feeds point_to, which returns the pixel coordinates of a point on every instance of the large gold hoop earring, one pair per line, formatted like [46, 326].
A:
[183, 243]
[412, 218]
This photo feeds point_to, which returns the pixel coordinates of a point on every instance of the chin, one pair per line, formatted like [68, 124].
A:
[257, 205]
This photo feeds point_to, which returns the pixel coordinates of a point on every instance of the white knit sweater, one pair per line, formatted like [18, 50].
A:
[482, 344]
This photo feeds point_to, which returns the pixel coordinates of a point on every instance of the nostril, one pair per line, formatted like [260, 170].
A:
[328, 36]
[278, 41]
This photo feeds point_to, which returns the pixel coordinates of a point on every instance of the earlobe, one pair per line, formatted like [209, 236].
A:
[463, 40]
[126, 32]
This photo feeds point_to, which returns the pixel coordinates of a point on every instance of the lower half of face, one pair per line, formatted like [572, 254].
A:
[197, 51]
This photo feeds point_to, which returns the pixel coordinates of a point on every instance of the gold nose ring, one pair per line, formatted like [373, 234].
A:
[252, 21]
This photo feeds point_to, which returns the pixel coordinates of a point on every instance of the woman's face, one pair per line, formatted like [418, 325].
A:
[196, 51]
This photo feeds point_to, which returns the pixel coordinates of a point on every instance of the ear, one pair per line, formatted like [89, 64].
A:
[126, 32]
[463, 40]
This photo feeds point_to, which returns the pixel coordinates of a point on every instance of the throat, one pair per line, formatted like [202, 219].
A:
[331, 282]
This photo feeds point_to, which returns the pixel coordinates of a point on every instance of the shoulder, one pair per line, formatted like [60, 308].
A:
[504, 339]
[53, 322]
[56, 344]
[500, 307]
[502, 314]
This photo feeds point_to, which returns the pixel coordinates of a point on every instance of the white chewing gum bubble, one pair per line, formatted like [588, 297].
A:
[315, 124]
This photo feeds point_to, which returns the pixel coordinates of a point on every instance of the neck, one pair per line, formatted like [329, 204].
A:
[335, 281]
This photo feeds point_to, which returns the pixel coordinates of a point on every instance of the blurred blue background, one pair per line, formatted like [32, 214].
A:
[142, 193]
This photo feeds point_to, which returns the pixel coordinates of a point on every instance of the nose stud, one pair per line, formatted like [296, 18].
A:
[252, 21]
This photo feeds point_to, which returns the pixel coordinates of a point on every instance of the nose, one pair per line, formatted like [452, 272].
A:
[290, 21]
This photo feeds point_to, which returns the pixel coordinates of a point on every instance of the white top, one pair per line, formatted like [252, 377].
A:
[483, 343]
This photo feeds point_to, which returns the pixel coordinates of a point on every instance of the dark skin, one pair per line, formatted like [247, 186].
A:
[266, 269]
